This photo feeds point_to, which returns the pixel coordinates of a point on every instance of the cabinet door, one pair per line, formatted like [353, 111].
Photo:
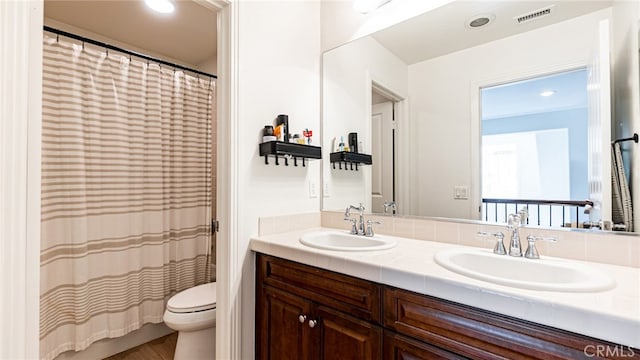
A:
[357, 297]
[398, 347]
[280, 333]
[344, 337]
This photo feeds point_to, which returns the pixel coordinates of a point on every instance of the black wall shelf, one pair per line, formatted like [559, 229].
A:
[288, 151]
[349, 159]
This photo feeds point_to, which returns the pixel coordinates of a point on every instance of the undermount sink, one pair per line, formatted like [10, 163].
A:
[344, 241]
[538, 274]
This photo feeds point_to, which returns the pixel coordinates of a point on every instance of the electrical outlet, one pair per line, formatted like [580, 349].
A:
[461, 192]
[313, 189]
[325, 190]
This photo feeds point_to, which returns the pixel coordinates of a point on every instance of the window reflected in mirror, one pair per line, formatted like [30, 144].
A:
[535, 149]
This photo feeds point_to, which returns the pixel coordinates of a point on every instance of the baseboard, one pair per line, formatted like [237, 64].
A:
[108, 347]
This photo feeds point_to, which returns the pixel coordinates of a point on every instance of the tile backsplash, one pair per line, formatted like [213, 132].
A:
[616, 249]
[284, 223]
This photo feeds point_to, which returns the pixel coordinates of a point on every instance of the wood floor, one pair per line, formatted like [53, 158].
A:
[158, 349]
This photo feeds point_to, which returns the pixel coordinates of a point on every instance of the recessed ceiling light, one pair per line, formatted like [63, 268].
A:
[161, 6]
[547, 93]
[479, 21]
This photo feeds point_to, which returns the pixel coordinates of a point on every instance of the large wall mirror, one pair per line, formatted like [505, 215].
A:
[476, 100]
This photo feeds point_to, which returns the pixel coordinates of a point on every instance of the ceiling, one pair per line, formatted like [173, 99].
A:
[188, 36]
[523, 97]
[443, 31]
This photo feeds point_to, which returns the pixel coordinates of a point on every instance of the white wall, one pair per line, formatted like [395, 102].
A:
[20, 137]
[209, 66]
[346, 104]
[626, 89]
[279, 67]
[341, 23]
[442, 93]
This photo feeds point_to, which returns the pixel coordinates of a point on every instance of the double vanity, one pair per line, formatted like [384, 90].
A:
[414, 287]
[322, 291]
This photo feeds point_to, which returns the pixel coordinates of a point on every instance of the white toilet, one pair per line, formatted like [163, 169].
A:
[192, 312]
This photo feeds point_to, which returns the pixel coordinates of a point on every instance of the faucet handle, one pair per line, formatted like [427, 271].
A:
[532, 252]
[369, 231]
[499, 248]
[354, 228]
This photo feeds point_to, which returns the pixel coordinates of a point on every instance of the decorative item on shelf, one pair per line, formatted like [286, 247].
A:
[278, 132]
[267, 134]
[307, 134]
[282, 128]
[349, 159]
[288, 150]
[353, 142]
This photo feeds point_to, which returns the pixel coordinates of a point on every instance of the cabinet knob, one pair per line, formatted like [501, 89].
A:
[302, 318]
[312, 323]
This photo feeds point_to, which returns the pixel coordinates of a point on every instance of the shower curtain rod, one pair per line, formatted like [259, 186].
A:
[125, 51]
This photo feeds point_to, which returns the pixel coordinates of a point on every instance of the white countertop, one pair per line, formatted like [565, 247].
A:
[612, 315]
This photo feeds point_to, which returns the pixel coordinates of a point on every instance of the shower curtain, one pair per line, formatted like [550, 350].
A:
[126, 192]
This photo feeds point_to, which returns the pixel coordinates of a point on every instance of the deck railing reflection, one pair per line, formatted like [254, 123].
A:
[546, 213]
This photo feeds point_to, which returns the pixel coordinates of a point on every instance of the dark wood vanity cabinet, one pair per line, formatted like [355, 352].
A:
[479, 334]
[281, 335]
[304, 312]
[345, 337]
[307, 313]
[398, 347]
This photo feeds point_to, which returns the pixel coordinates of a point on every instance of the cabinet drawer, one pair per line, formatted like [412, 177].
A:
[357, 297]
[398, 347]
[481, 334]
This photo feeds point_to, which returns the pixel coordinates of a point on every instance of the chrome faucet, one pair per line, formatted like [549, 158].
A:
[390, 204]
[515, 221]
[515, 246]
[524, 216]
[356, 230]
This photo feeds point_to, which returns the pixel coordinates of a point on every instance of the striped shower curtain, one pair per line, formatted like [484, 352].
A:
[126, 192]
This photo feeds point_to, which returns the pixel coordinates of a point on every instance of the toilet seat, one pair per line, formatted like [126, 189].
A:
[195, 299]
[192, 312]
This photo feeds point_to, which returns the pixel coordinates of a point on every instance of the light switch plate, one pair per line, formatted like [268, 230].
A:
[325, 190]
[461, 192]
[313, 189]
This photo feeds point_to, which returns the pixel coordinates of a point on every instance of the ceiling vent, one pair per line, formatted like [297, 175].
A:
[533, 15]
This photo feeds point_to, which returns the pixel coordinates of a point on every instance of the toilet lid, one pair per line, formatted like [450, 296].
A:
[197, 298]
